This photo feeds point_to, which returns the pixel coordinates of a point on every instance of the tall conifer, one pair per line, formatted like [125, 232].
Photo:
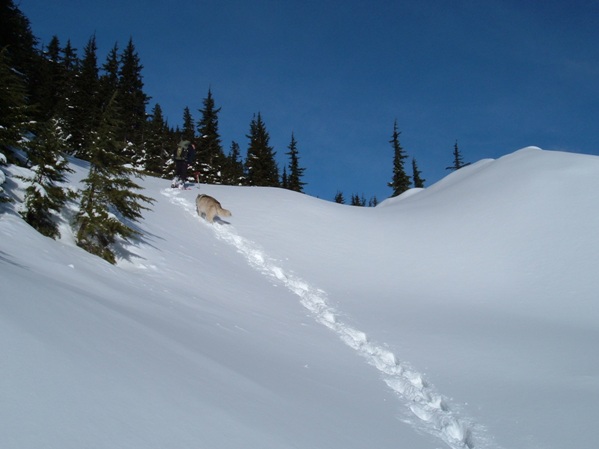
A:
[65, 108]
[233, 170]
[210, 155]
[294, 179]
[458, 161]
[400, 181]
[16, 36]
[45, 196]
[109, 79]
[20, 44]
[15, 113]
[156, 144]
[132, 99]
[260, 163]
[86, 102]
[109, 200]
[416, 178]
[51, 89]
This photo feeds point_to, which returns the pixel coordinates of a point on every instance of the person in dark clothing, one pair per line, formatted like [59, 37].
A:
[184, 154]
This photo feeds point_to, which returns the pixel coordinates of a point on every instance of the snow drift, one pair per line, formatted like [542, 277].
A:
[463, 315]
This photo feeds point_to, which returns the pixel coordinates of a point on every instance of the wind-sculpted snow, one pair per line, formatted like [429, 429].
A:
[429, 411]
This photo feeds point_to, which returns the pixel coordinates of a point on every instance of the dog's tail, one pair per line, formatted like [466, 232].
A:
[223, 212]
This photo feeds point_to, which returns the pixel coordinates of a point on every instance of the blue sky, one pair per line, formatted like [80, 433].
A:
[495, 75]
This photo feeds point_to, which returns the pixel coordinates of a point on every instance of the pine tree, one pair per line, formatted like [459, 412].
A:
[156, 143]
[20, 67]
[15, 113]
[284, 180]
[233, 169]
[294, 180]
[86, 101]
[339, 198]
[188, 132]
[357, 200]
[132, 100]
[108, 200]
[418, 181]
[458, 162]
[65, 107]
[210, 155]
[20, 44]
[45, 197]
[17, 38]
[400, 181]
[373, 201]
[51, 88]
[109, 79]
[260, 162]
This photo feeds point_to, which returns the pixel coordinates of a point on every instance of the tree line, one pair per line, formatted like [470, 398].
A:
[55, 103]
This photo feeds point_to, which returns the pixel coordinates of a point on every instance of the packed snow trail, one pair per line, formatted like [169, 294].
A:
[431, 410]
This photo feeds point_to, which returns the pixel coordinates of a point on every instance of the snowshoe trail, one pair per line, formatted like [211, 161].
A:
[428, 410]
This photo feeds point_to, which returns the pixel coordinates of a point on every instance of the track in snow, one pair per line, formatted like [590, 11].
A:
[429, 410]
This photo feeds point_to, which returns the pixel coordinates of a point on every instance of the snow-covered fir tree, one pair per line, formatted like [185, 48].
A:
[45, 196]
[109, 200]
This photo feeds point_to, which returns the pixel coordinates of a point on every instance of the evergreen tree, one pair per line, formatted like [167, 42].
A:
[373, 202]
[357, 200]
[65, 108]
[260, 163]
[284, 180]
[400, 181]
[294, 180]
[210, 155]
[70, 63]
[45, 197]
[109, 79]
[109, 199]
[51, 90]
[132, 100]
[418, 181]
[156, 143]
[20, 45]
[458, 162]
[234, 173]
[86, 102]
[188, 132]
[339, 198]
[17, 38]
[14, 110]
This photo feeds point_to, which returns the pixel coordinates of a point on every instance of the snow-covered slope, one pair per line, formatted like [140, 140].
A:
[461, 315]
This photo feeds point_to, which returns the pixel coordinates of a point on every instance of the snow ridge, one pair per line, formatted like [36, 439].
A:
[430, 409]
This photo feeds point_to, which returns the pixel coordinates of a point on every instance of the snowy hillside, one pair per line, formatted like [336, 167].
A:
[464, 315]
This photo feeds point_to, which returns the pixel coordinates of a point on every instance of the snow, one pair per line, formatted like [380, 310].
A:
[463, 315]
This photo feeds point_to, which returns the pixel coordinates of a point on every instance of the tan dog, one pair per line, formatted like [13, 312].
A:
[209, 208]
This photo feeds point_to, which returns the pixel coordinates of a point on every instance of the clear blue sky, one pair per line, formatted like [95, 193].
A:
[497, 75]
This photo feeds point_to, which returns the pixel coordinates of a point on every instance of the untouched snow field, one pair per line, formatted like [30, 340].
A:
[464, 315]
